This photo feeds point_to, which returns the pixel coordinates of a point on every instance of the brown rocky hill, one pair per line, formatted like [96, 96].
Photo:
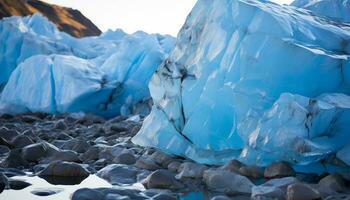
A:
[68, 20]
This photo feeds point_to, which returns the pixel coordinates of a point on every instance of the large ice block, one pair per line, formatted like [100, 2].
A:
[106, 75]
[249, 77]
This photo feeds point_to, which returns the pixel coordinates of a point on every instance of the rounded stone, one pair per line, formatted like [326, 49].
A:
[279, 170]
[300, 191]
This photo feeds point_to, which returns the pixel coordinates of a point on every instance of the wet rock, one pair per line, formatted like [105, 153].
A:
[35, 152]
[161, 158]
[220, 197]
[116, 197]
[164, 196]
[91, 154]
[63, 180]
[18, 184]
[131, 193]
[279, 170]
[63, 136]
[94, 118]
[21, 141]
[267, 192]
[117, 119]
[14, 160]
[4, 150]
[338, 197]
[227, 182]
[28, 118]
[191, 170]
[333, 182]
[44, 136]
[143, 175]
[10, 172]
[118, 174]
[31, 135]
[174, 166]
[101, 163]
[162, 179]
[6, 116]
[8, 134]
[65, 169]
[281, 183]
[127, 158]
[232, 166]
[60, 125]
[300, 191]
[118, 127]
[4, 142]
[253, 172]
[63, 155]
[87, 194]
[81, 146]
[135, 130]
[46, 192]
[146, 163]
[77, 145]
[110, 153]
[3, 182]
[273, 189]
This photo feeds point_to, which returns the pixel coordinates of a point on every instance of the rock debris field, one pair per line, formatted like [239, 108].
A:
[66, 149]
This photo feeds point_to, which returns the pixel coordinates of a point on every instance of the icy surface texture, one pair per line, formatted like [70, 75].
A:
[106, 75]
[255, 81]
[335, 9]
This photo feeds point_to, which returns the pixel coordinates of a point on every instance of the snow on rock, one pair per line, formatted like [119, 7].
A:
[335, 9]
[252, 80]
[106, 75]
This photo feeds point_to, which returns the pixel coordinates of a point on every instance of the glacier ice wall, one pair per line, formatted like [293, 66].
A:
[42, 69]
[255, 81]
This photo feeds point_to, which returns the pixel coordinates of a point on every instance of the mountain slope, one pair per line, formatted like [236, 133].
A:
[68, 20]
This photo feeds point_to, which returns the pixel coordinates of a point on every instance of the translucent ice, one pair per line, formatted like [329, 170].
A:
[253, 80]
[42, 69]
[335, 9]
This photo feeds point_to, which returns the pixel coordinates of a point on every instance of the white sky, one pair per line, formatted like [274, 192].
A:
[152, 16]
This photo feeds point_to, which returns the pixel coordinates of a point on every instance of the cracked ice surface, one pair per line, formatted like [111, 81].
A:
[255, 81]
[335, 9]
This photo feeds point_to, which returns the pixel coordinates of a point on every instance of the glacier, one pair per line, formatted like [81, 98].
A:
[255, 81]
[45, 70]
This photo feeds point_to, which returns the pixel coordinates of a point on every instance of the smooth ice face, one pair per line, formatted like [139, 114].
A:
[106, 75]
[53, 84]
[247, 78]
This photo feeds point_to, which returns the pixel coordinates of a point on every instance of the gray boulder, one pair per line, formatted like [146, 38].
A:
[21, 141]
[117, 174]
[87, 194]
[191, 170]
[162, 179]
[301, 191]
[279, 170]
[64, 169]
[227, 182]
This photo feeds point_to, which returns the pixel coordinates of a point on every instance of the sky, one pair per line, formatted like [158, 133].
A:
[152, 16]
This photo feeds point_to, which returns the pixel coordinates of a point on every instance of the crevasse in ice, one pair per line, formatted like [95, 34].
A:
[42, 69]
[254, 81]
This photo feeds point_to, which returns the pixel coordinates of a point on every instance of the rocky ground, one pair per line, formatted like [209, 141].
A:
[66, 149]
